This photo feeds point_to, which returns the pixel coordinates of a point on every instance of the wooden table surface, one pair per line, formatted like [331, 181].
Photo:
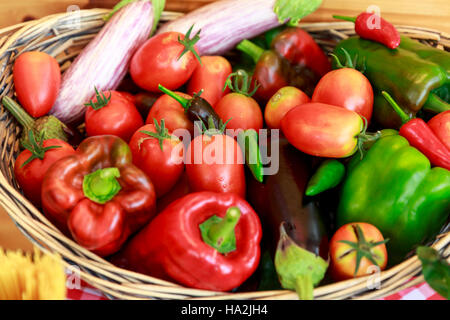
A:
[427, 13]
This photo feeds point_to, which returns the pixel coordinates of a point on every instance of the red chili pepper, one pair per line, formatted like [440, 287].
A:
[366, 27]
[97, 195]
[204, 240]
[420, 136]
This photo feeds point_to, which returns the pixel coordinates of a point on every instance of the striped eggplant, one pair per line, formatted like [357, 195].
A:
[104, 62]
[225, 23]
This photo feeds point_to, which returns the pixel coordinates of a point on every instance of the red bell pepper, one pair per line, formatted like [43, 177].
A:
[204, 240]
[295, 59]
[421, 137]
[366, 27]
[97, 195]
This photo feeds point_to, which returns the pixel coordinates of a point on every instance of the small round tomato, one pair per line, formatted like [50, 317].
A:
[215, 163]
[159, 154]
[281, 102]
[323, 130]
[357, 249]
[243, 112]
[31, 165]
[210, 77]
[172, 112]
[440, 125]
[162, 60]
[37, 80]
[111, 113]
[347, 88]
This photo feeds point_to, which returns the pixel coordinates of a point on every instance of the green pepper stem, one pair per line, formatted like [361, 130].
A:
[304, 287]
[183, 101]
[345, 18]
[435, 104]
[222, 231]
[219, 232]
[402, 114]
[253, 50]
[101, 185]
[19, 113]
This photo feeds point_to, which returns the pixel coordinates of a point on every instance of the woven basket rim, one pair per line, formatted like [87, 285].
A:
[123, 284]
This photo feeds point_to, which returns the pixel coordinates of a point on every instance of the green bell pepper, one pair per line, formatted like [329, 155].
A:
[411, 77]
[394, 188]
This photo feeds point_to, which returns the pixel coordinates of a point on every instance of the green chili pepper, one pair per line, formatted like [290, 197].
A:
[248, 141]
[329, 174]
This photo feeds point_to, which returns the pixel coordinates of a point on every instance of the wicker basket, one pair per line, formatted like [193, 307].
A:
[63, 36]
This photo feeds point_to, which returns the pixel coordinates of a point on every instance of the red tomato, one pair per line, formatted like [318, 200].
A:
[215, 163]
[210, 77]
[323, 130]
[242, 111]
[163, 167]
[118, 117]
[284, 100]
[172, 112]
[344, 257]
[440, 124]
[128, 96]
[347, 88]
[158, 61]
[37, 79]
[30, 176]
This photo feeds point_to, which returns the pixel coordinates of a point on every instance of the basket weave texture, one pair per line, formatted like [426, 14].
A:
[63, 36]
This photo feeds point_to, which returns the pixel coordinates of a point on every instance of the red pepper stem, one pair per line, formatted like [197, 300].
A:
[219, 232]
[345, 18]
[402, 114]
[183, 101]
[101, 186]
[222, 231]
[19, 113]
[435, 104]
[248, 47]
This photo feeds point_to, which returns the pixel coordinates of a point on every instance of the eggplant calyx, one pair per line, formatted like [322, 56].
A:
[297, 268]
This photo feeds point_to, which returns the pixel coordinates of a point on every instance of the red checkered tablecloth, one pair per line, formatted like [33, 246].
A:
[419, 292]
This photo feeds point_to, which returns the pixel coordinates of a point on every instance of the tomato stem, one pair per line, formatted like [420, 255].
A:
[36, 147]
[102, 100]
[189, 44]
[162, 133]
[362, 247]
[240, 77]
